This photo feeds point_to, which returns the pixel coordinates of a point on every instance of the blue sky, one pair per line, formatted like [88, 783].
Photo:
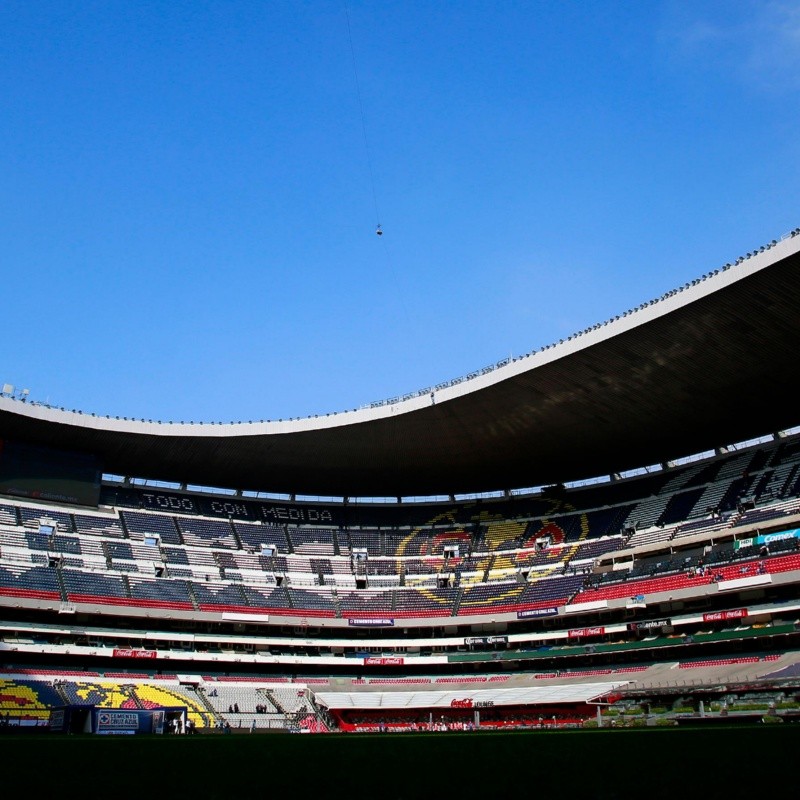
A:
[188, 214]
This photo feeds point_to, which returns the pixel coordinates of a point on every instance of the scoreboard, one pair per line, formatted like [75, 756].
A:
[42, 473]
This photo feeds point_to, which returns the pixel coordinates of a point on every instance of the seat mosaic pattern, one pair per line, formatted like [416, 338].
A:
[95, 693]
[27, 698]
[151, 695]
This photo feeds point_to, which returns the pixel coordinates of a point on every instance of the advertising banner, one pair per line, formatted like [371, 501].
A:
[718, 616]
[576, 633]
[648, 624]
[129, 653]
[124, 722]
[537, 612]
[473, 641]
[794, 533]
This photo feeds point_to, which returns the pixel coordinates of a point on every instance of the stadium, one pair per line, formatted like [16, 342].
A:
[602, 533]
[572, 570]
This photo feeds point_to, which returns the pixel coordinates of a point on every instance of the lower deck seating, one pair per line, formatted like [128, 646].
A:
[215, 595]
[160, 592]
[424, 602]
[27, 699]
[91, 587]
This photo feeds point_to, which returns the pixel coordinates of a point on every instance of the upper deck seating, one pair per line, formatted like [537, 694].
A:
[61, 543]
[679, 506]
[38, 541]
[201, 532]
[342, 543]
[119, 550]
[139, 523]
[255, 536]
[312, 541]
[364, 540]
[32, 517]
[9, 515]
[175, 555]
[98, 526]
[408, 543]
[768, 513]
[498, 536]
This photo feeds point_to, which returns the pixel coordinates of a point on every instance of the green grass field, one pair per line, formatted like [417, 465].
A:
[748, 761]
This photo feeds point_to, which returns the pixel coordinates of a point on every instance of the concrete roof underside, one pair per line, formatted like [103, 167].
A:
[706, 366]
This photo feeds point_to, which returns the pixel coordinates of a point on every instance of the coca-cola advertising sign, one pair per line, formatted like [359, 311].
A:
[576, 633]
[468, 702]
[128, 653]
[718, 616]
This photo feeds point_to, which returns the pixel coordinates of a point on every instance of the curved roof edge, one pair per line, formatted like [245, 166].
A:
[707, 284]
[702, 366]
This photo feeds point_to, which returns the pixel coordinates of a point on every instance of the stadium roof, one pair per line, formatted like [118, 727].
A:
[709, 364]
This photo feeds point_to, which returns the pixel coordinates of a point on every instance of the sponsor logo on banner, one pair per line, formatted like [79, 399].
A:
[370, 623]
[577, 632]
[127, 653]
[794, 533]
[537, 612]
[478, 640]
[777, 537]
[117, 720]
[468, 702]
[717, 616]
[648, 624]
[57, 719]
[393, 661]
